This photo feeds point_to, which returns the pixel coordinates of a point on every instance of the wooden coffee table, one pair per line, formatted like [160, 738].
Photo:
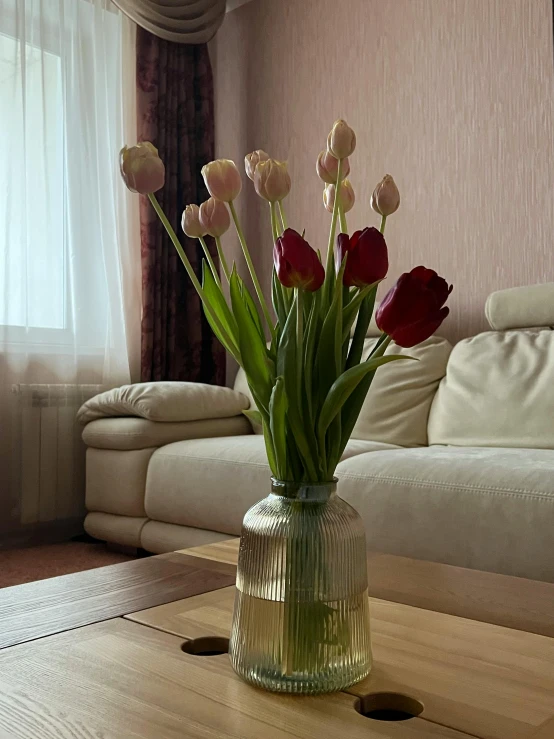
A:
[136, 669]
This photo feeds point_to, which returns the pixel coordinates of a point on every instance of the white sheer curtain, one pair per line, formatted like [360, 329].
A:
[69, 248]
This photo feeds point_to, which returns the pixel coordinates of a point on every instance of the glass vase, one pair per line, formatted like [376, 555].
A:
[301, 618]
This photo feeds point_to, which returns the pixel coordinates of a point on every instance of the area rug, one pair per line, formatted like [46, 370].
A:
[50, 560]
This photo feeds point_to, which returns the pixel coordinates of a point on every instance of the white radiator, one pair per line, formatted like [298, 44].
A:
[50, 461]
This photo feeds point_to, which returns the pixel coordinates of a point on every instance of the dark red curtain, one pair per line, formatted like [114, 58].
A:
[176, 113]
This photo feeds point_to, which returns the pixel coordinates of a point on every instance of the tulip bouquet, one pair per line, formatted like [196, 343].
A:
[302, 563]
[304, 369]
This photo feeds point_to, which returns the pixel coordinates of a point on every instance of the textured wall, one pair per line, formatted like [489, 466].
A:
[452, 97]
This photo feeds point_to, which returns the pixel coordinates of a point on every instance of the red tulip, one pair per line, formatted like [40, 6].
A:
[368, 259]
[413, 309]
[297, 264]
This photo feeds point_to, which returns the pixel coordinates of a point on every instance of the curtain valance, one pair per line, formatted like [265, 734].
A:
[181, 21]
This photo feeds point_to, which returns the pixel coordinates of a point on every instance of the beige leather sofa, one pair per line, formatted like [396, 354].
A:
[451, 460]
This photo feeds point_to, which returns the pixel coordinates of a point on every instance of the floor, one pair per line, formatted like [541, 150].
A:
[50, 560]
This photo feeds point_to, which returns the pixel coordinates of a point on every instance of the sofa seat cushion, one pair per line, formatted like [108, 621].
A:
[138, 433]
[488, 509]
[211, 483]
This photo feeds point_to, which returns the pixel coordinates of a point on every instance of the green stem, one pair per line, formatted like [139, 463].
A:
[285, 292]
[282, 215]
[210, 260]
[274, 226]
[329, 273]
[222, 260]
[192, 275]
[342, 219]
[380, 346]
[382, 226]
[299, 340]
[252, 271]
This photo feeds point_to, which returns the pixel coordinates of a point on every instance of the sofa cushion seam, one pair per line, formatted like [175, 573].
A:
[215, 459]
[241, 464]
[452, 486]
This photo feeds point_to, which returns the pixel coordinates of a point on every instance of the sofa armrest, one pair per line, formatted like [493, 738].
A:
[125, 434]
[165, 402]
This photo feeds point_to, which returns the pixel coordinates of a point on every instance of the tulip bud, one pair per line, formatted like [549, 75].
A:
[347, 197]
[222, 179]
[296, 263]
[386, 198]
[214, 217]
[252, 160]
[190, 222]
[368, 259]
[327, 167]
[341, 142]
[141, 168]
[414, 308]
[272, 180]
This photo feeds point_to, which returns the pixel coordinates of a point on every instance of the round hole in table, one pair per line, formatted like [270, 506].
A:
[206, 646]
[389, 707]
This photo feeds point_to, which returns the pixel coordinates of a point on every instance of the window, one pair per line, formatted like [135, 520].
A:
[60, 114]
[32, 270]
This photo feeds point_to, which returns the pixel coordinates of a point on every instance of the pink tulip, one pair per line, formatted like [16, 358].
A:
[214, 217]
[141, 168]
[341, 142]
[272, 180]
[347, 197]
[252, 160]
[327, 167]
[190, 222]
[222, 179]
[386, 198]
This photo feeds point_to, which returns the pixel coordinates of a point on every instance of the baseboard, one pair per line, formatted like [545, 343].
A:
[48, 532]
[126, 549]
[122, 548]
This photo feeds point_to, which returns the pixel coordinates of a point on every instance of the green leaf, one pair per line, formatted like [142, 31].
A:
[307, 300]
[278, 427]
[254, 416]
[362, 324]
[332, 442]
[352, 407]
[222, 337]
[351, 310]
[345, 385]
[304, 435]
[294, 463]
[277, 299]
[253, 349]
[351, 410]
[339, 292]
[251, 307]
[288, 294]
[313, 328]
[329, 349]
[269, 448]
[219, 306]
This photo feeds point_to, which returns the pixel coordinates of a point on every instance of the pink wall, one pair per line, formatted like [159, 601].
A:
[455, 98]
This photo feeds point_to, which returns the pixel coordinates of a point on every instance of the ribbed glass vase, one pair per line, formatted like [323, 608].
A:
[301, 619]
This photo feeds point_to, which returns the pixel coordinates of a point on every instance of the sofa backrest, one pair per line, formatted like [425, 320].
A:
[498, 391]
[396, 409]
[499, 385]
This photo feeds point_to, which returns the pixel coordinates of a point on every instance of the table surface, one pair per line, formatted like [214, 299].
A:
[514, 602]
[120, 678]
